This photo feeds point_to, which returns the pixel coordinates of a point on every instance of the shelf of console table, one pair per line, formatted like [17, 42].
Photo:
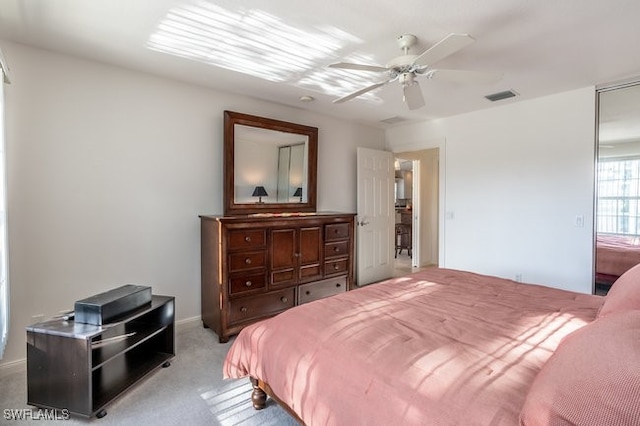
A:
[83, 367]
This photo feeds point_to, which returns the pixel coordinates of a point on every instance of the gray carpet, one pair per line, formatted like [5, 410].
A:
[189, 392]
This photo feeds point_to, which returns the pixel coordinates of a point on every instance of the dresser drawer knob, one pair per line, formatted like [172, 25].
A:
[336, 267]
[247, 239]
[336, 249]
[244, 309]
[247, 261]
[284, 300]
[307, 292]
[338, 285]
[248, 283]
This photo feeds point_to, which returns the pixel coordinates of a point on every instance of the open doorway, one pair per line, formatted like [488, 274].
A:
[404, 212]
[416, 205]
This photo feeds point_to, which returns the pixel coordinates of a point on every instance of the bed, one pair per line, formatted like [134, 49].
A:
[615, 254]
[447, 347]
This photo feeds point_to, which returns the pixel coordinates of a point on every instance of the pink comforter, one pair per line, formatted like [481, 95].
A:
[438, 347]
[615, 254]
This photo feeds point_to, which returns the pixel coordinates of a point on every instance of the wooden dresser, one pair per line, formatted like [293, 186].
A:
[256, 266]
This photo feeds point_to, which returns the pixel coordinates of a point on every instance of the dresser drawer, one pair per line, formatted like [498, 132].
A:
[247, 260]
[247, 282]
[337, 249]
[336, 231]
[336, 267]
[247, 239]
[321, 289]
[255, 307]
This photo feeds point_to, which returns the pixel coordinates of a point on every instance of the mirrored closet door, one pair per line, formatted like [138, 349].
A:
[617, 183]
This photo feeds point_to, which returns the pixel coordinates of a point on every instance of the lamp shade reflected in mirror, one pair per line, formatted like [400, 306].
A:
[259, 192]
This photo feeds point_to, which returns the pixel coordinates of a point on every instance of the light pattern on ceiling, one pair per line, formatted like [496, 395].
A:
[260, 44]
[339, 82]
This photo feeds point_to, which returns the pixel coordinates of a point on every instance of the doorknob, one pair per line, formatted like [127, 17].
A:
[363, 222]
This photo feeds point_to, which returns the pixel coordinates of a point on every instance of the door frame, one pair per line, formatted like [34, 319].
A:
[416, 223]
[440, 143]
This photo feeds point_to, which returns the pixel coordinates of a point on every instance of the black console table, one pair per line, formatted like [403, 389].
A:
[82, 367]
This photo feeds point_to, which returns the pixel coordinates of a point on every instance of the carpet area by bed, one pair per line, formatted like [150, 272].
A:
[190, 392]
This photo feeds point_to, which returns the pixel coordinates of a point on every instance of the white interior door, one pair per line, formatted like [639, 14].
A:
[376, 215]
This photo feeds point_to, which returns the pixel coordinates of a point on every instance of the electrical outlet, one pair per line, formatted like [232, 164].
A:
[519, 278]
[580, 221]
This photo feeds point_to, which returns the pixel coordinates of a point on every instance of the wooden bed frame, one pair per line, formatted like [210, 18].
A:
[259, 398]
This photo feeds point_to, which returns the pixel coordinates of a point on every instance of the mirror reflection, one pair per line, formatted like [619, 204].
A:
[270, 166]
[291, 173]
[618, 184]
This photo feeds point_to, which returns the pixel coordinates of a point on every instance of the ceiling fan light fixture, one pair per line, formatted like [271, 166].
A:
[407, 67]
[406, 78]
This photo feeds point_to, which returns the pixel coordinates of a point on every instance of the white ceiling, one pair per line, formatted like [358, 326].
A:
[541, 47]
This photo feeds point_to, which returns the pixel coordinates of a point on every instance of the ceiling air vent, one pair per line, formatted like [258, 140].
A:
[393, 120]
[501, 95]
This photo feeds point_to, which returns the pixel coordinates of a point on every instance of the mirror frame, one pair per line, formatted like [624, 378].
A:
[231, 208]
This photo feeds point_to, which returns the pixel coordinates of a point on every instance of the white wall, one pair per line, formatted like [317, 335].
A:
[515, 177]
[109, 170]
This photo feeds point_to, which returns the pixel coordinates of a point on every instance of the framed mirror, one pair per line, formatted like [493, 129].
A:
[270, 166]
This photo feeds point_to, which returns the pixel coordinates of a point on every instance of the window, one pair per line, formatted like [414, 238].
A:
[4, 274]
[618, 209]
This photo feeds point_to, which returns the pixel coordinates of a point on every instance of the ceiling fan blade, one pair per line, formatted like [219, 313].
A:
[445, 47]
[359, 92]
[465, 76]
[359, 67]
[413, 95]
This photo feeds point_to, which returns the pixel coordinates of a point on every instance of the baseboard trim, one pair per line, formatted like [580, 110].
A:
[20, 365]
[11, 367]
[188, 323]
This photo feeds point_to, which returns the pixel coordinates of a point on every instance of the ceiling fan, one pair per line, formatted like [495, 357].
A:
[406, 68]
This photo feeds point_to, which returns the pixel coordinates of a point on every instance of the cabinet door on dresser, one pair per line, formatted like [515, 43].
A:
[310, 254]
[296, 255]
[282, 248]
